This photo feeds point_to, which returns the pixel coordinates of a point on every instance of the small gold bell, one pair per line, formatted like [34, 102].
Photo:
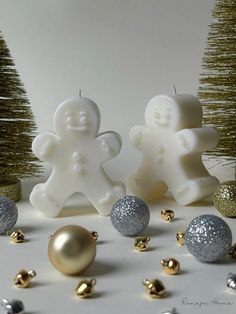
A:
[232, 251]
[155, 288]
[141, 243]
[180, 237]
[94, 235]
[23, 278]
[17, 236]
[85, 288]
[170, 266]
[167, 215]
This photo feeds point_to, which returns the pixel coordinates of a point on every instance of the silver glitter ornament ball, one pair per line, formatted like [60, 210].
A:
[130, 215]
[208, 238]
[8, 214]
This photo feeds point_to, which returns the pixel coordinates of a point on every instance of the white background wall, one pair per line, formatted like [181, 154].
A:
[120, 53]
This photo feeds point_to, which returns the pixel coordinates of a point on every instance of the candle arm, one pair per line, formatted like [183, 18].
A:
[137, 134]
[110, 143]
[197, 139]
[44, 144]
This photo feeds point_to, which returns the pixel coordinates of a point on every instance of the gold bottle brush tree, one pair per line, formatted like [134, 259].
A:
[217, 89]
[17, 127]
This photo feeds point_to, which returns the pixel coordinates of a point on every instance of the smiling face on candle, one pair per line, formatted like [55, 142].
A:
[162, 116]
[163, 112]
[80, 116]
[78, 122]
[173, 113]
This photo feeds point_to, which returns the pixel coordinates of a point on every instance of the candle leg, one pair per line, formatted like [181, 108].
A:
[103, 199]
[146, 189]
[145, 183]
[102, 192]
[158, 189]
[49, 198]
[194, 190]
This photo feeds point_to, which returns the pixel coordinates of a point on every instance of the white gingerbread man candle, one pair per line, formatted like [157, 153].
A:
[172, 142]
[77, 153]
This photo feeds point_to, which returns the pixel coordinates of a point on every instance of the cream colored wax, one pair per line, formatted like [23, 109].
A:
[172, 142]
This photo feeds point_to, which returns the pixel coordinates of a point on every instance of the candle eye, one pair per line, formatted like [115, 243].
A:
[69, 119]
[157, 115]
[67, 114]
[83, 113]
[167, 116]
[83, 117]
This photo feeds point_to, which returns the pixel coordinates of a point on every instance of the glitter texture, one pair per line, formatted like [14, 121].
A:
[224, 198]
[8, 214]
[11, 189]
[130, 215]
[17, 122]
[218, 79]
[208, 238]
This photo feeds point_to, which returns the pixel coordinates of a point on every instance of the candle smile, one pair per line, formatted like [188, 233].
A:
[161, 121]
[77, 128]
[162, 118]
[83, 123]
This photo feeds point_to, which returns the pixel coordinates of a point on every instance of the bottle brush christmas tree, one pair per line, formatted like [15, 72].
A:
[217, 89]
[17, 128]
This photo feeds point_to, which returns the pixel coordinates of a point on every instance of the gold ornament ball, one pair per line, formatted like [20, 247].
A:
[71, 249]
[224, 198]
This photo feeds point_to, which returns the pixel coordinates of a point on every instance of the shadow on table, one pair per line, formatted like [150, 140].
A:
[79, 210]
[155, 230]
[203, 203]
[226, 260]
[35, 284]
[99, 269]
[29, 229]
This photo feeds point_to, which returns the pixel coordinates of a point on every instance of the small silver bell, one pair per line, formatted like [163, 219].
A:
[231, 281]
[13, 306]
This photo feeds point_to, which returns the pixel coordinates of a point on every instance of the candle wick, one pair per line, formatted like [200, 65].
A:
[174, 89]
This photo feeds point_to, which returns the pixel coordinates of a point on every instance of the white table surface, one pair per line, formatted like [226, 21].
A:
[119, 270]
